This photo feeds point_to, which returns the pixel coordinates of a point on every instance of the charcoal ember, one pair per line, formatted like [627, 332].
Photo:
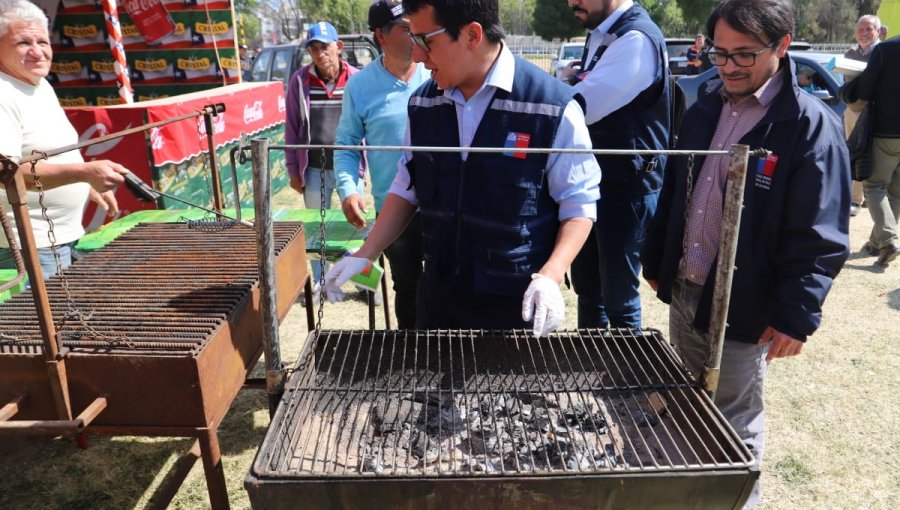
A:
[576, 415]
[372, 464]
[602, 460]
[538, 400]
[643, 418]
[527, 412]
[389, 414]
[424, 449]
[579, 461]
[596, 423]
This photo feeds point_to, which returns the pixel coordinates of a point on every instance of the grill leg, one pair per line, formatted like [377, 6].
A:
[212, 468]
[166, 492]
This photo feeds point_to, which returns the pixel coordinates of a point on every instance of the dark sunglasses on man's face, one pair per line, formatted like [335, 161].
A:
[421, 40]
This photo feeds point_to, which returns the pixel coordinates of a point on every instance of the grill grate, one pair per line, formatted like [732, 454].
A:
[162, 288]
[477, 403]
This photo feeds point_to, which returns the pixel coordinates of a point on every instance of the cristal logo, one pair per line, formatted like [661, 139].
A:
[218, 125]
[253, 113]
[99, 149]
[282, 106]
[156, 139]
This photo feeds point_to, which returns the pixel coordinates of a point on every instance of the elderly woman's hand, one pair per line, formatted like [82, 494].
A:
[103, 175]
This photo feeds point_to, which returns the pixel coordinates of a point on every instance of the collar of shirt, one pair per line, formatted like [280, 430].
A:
[765, 94]
[499, 76]
[600, 30]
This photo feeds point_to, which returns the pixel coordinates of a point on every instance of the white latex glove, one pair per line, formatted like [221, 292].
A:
[343, 270]
[543, 301]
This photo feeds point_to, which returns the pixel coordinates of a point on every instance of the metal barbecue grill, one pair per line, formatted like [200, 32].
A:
[162, 325]
[498, 419]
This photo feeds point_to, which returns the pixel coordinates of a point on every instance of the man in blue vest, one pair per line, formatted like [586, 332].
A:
[499, 229]
[624, 80]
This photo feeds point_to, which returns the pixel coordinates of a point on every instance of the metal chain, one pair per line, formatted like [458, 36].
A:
[72, 312]
[321, 311]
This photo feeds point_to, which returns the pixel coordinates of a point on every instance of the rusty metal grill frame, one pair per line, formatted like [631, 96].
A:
[337, 370]
[132, 290]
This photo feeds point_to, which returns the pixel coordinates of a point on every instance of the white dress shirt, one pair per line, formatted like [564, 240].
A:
[572, 179]
[627, 68]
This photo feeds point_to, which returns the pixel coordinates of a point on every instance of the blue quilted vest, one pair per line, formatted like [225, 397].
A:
[642, 124]
[487, 222]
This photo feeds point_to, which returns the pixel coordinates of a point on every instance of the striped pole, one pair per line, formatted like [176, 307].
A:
[114, 29]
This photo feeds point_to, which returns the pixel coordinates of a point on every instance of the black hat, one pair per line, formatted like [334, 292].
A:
[383, 12]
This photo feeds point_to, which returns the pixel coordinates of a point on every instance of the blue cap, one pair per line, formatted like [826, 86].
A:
[322, 31]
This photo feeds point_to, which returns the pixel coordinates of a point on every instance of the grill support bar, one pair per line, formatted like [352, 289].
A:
[52, 427]
[731, 227]
[262, 203]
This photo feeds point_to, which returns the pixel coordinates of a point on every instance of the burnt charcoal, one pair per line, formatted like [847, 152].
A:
[643, 418]
[389, 414]
[527, 411]
[576, 415]
[372, 464]
[596, 423]
[424, 449]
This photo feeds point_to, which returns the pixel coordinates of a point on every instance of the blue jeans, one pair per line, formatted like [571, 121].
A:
[312, 198]
[45, 256]
[606, 273]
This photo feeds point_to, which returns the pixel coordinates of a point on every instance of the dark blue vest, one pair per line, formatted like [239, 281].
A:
[641, 124]
[489, 222]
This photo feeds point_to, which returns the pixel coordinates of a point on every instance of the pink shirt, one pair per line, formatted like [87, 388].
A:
[704, 222]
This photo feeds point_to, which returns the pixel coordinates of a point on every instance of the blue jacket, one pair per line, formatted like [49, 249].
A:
[488, 222]
[794, 227]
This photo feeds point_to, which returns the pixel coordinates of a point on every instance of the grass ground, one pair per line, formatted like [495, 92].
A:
[833, 416]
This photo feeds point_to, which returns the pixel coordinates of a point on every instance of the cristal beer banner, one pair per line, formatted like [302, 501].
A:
[186, 44]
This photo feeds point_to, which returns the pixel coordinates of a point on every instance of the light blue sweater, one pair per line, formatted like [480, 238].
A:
[374, 110]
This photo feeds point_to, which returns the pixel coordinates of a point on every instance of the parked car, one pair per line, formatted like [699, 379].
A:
[278, 63]
[568, 52]
[824, 83]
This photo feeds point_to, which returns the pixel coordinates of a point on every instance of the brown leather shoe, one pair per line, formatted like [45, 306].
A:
[887, 254]
[870, 249]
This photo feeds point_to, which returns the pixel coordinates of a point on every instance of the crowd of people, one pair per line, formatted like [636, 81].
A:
[485, 240]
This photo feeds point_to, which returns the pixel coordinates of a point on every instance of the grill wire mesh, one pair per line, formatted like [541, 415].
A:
[439, 403]
[162, 288]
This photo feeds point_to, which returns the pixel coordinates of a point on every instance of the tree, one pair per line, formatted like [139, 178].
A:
[347, 16]
[249, 26]
[515, 15]
[553, 19]
[696, 12]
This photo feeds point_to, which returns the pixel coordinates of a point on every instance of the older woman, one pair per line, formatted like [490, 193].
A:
[32, 120]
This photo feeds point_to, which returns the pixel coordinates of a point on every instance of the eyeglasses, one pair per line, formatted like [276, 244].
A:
[740, 59]
[421, 40]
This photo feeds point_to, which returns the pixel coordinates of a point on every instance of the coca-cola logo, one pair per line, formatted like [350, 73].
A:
[139, 6]
[99, 149]
[282, 105]
[218, 125]
[253, 113]
[156, 140]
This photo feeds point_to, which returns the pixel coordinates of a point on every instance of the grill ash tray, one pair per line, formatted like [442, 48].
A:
[584, 418]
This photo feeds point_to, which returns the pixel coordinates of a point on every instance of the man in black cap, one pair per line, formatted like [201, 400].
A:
[374, 110]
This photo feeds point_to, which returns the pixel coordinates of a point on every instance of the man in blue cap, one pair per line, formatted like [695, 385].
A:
[314, 96]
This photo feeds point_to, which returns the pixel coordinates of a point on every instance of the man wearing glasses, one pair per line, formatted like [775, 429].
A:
[794, 226]
[499, 229]
[625, 85]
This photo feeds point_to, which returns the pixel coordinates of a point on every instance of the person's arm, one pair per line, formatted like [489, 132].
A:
[814, 234]
[296, 130]
[350, 131]
[627, 68]
[103, 175]
[867, 82]
[573, 232]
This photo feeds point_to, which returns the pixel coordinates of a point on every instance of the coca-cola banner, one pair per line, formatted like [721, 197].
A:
[249, 108]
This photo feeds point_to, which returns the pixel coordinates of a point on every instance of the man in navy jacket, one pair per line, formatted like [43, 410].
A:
[794, 225]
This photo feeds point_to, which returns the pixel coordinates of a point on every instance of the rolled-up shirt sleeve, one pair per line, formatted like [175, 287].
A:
[573, 180]
[401, 184]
